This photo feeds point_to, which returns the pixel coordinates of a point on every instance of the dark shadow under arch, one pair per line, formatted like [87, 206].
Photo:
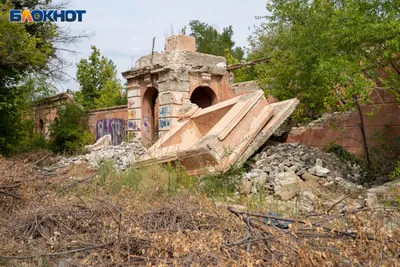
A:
[203, 97]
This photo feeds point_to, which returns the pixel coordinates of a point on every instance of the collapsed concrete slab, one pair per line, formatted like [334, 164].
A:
[215, 138]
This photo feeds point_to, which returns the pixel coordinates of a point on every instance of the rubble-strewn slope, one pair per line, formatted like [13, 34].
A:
[301, 179]
[70, 217]
[122, 155]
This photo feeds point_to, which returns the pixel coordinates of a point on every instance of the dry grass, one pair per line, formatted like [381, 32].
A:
[93, 224]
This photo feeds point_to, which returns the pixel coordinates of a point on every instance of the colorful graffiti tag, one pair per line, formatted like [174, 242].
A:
[114, 127]
[132, 125]
[164, 111]
[165, 123]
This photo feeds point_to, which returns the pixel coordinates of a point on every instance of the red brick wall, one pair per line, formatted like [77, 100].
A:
[344, 130]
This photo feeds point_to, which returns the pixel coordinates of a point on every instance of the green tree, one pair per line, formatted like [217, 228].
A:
[329, 52]
[210, 41]
[100, 86]
[28, 55]
[70, 132]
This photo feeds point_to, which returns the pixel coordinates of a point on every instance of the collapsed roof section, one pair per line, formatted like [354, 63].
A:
[215, 138]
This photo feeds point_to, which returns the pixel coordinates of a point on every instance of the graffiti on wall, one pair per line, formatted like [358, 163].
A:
[131, 103]
[165, 123]
[132, 114]
[146, 124]
[114, 127]
[132, 125]
[164, 111]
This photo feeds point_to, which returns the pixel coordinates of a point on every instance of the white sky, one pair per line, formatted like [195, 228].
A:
[123, 30]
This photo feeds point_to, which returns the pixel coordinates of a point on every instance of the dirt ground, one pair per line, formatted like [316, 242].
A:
[63, 217]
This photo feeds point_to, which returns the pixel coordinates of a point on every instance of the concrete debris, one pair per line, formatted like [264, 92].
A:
[215, 138]
[302, 159]
[102, 143]
[122, 155]
[299, 178]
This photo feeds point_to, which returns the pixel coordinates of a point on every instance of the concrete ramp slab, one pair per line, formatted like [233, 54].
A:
[215, 138]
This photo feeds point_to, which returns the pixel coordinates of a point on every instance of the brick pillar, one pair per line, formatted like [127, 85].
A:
[134, 110]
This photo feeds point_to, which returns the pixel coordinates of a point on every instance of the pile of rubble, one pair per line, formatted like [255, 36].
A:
[122, 155]
[300, 177]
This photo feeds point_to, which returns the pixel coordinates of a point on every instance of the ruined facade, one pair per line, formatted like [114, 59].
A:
[161, 84]
[46, 112]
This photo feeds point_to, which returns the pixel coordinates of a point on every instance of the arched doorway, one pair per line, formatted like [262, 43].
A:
[203, 97]
[41, 127]
[150, 114]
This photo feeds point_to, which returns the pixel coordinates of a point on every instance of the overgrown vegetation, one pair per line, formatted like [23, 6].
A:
[100, 86]
[210, 41]
[167, 179]
[69, 133]
[396, 173]
[329, 54]
[109, 220]
[30, 62]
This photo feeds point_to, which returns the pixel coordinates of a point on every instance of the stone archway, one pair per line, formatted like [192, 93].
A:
[203, 96]
[41, 127]
[150, 115]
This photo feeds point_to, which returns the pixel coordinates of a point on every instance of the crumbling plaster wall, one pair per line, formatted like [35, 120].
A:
[45, 112]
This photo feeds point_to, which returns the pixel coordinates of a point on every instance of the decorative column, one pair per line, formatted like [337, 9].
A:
[134, 110]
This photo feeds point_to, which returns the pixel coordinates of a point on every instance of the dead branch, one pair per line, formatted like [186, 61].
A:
[341, 200]
[8, 167]
[42, 159]
[80, 181]
[9, 194]
[57, 253]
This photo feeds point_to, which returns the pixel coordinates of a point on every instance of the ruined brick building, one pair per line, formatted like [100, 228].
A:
[162, 85]
[159, 86]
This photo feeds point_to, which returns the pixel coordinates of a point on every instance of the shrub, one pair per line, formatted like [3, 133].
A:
[70, 133]
[223, 183]
[154, 179]
[396, 173]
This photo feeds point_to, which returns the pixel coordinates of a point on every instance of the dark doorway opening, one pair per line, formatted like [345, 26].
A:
[150, 114]
[41, 127]
[203, 97]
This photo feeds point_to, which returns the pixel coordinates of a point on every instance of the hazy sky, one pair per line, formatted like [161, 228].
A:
[123, 30]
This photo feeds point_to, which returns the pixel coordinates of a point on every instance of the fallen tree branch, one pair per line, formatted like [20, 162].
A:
[262, 227]
[42, 159]
[79, 181]
[56, 253]
[8, 167]
[266, 216]
[341, 200]
[9, 186]
[9, 194]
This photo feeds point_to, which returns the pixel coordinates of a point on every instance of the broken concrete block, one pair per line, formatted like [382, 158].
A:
[319, 171]
[101, 143]
[245, 187]
[215, 138]
[288, 185]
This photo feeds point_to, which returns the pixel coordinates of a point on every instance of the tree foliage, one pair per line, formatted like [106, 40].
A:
[326, 51]
[70, 132]
[210, 41]
[25, 52]
[100, 86]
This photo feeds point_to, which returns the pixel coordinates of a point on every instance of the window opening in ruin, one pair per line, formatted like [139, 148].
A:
[203, 97]
[150, 114]
[41, 126]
